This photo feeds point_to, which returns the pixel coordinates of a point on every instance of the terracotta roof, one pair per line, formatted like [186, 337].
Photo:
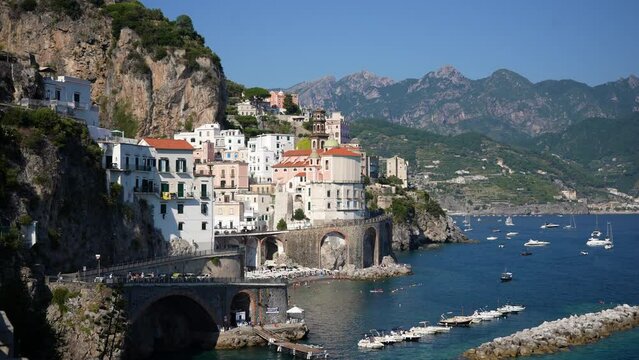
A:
[340, 152]
[304, 152]
[290, 164]
[168, 144]
[300, 174]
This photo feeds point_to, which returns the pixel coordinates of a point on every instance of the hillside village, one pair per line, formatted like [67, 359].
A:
[213, 181]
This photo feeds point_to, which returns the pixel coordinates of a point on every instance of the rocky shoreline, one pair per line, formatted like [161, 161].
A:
[245, 336]
[558, 335]
[388, 268]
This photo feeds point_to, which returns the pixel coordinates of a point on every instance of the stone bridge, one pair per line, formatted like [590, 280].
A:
[175, 315]
[362, 243]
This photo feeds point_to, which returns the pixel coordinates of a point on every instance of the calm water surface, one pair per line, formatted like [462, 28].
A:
[554, 282]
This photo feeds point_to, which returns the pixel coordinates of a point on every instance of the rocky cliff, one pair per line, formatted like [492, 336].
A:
[504, 105]
[51, 174]
[164, 87]
[425, 229]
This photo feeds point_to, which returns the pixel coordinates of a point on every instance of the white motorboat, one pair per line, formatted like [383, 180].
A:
[370, 343]
[482, 316]
[491, 238]
[425, 329]
[511, 309]
[457, 320]
[548, 225]
[512, 233]
[583, 252]
[406, 335]
[509, 221]
[532, 242]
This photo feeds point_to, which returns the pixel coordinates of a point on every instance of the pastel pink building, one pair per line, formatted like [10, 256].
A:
[277, 99]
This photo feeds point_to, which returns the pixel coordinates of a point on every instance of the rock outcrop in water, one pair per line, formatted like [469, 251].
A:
[245, 336]
[388, 268]
[558, 335]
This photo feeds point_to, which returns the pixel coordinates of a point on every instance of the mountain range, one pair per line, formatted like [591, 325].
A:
[505, 105]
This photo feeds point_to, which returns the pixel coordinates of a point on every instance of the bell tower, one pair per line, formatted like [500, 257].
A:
[319, 135]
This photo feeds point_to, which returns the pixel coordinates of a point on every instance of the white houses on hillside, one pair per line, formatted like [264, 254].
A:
[264, 151]
[68, 96]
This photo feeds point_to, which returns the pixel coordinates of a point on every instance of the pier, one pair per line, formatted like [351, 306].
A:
[298, 350]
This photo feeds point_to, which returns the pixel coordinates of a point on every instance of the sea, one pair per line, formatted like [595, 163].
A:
[556, 281]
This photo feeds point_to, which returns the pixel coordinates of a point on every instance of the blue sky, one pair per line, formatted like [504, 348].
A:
[282, 42]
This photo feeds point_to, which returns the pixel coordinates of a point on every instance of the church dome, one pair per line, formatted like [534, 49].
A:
[331, 143]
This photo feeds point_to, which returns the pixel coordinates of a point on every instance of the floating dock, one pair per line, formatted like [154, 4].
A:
[298, 350]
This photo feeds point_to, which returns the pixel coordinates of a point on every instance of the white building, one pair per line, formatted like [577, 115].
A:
[245, 108]
[68, 96]
[337, 128]
[206, 132]
[233, 139]
[398, 167]
[183, 206]
[264, 151]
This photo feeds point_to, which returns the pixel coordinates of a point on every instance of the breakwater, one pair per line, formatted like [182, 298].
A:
[558, 335]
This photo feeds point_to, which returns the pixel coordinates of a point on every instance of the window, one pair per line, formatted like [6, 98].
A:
[309, 191]
[204, 208]
[337, 193]
[192, 140]
[57, 94]
[180, 226]
[232, 173]
[204, 224]
[164, 165]
[162, 209]
[180, 208]
[326, 165]
[76, 97]
[328, 205]
[180, 165]
[328, 193]
[203, 192]
[164, 187]
[309, 206]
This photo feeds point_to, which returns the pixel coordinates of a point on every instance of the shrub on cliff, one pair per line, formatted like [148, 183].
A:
[157, 33]
[281, 225]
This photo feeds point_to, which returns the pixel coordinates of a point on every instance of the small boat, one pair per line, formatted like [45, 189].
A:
[491, 238]
[486, 315]
[608, 246]
[509, 221]
[512, 233]
[405, 335]
[506, 276]
[573, 224]
[458, 320]
[532, 242]
[376, 291]
[369, 342]
[511, 309]
[425, 329]
[548, 225]
[596, 241]
[496, 230]
[501, 246]
[526, 253]
[583, 252]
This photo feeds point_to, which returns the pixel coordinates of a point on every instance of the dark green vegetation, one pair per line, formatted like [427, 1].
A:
[290, 106]
[608, 148]
[404, 208]
[158, 34]
[124, 120]
[525, 176]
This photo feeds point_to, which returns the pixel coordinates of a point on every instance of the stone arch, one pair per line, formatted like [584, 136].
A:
[244, 301]
[171, 322]
[271, 247]
[251, 260]
[387, 237]
[370, 248]
[333, 250]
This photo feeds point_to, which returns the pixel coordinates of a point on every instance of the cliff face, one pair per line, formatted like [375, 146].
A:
[162, 94]
[59, 183]
[426, 229]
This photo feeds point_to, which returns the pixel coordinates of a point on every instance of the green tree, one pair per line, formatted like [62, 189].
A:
[124, 120]
[303, 144]
[233, 89]
[256, 93]
[403, 209]
[308, 126]
[290, 106]
[281, 225]
[299, 214]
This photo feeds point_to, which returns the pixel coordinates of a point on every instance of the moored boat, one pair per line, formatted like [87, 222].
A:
[424, 329]
[457, 320]
[548, 225]
[369, 342]
[506, 276]
[510, 309]
[532, 242]
[512, 233]
[491, 238]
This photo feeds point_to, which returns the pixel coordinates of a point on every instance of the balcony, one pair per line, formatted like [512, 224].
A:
[146, 189]
[174, 196]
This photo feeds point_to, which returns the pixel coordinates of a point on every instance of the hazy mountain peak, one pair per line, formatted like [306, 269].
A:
[367, 78]
[633, 81]
[510, 76]
[447, 71]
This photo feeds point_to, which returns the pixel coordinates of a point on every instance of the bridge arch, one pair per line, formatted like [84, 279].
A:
[245, 301]
[333, 250]
[370, 248]
[269, 247]
[171, 321]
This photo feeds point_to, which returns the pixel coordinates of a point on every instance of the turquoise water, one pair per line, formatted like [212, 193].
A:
[554, 282]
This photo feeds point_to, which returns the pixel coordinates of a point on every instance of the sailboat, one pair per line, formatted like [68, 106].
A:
[509, 221]
[467, 226]
[573, 224]
[595, 237]
[609, 236]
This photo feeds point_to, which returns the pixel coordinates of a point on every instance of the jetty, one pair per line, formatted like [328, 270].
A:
[298, 350]
[558, 335]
